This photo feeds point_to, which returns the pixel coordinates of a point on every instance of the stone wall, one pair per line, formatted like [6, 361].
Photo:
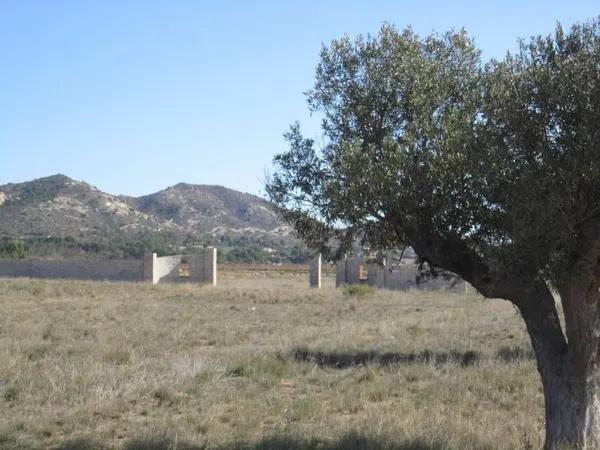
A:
[201, 268]
[347, 271]
[114, 269]
[166, 268]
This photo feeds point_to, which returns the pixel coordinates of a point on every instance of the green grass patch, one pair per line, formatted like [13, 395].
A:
[358, 290]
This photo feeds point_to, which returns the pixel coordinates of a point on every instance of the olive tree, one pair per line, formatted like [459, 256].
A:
[489, 171]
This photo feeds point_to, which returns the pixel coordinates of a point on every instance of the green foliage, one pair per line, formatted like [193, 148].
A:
[244, 254]
[358, 290]
[237, 249]
[486, 171]
[12, 248]
[44, 190]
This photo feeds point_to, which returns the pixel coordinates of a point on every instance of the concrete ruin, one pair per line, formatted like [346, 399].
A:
[314, 272]
[198, 268]
[358, 270]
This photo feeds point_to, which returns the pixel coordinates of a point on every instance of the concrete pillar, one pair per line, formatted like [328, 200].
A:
[340, 272]
[150, 274]
[469, 289]
[210, 266]
[314, 272]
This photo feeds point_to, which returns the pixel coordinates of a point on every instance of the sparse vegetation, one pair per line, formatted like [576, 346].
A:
[426, 145]
[358, 290]
[12, 248]
[261, 363]
[51, 216]
[117, 357]
[10, 394]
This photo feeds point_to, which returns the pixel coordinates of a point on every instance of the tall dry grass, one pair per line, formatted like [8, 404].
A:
[261, 362]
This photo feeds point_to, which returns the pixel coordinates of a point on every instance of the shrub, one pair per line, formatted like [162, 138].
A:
[163, 395]
[10, 394]
[358, 290]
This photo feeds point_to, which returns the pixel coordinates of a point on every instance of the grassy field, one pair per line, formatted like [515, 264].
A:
[261, 362]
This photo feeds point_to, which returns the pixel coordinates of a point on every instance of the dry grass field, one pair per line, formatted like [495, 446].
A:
[261, 362]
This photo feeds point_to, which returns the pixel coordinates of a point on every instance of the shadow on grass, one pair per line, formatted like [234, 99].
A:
[82, 444]
[350, 441]
[515, 354]
[344, 360]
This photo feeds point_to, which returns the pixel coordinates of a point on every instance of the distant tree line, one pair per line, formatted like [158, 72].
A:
[236, 249]
[12, 248]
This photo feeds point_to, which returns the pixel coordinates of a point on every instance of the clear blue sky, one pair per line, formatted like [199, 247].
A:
[133, 96]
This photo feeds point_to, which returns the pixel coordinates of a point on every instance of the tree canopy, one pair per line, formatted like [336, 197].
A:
[491, 171]
[427, 146]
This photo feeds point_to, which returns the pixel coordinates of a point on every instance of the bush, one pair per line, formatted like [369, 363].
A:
[12, 248]
[10, 394]
[358, 290]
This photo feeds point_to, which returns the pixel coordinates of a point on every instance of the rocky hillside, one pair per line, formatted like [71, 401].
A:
[210, 209]
[59, 209]
[60, 206]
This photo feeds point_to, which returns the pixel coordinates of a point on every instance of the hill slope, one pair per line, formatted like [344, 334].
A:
[209, 209]
[57, 212]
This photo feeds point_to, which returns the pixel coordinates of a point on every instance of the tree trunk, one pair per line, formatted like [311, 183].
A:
[572, 419]
[569, 373]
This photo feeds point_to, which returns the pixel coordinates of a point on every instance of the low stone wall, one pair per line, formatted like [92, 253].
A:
[113, 270]
[201, 268]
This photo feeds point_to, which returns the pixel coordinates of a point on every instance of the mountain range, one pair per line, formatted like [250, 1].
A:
[59, 215]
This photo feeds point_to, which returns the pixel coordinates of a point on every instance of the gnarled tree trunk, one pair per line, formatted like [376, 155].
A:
[573, 422]
[569, 371]
[569, 362]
